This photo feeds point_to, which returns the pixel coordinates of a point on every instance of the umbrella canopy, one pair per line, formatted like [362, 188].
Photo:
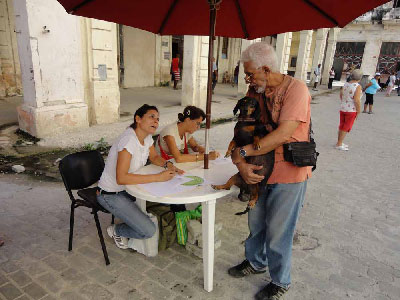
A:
[248, 19]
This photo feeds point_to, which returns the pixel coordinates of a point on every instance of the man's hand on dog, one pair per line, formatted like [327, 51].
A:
[246, 170]
[247, 173]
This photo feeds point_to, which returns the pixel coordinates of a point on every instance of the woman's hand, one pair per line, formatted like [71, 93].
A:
[213, 155]
[247, 173]
[165, 175]
[200, 149]
[172, 168]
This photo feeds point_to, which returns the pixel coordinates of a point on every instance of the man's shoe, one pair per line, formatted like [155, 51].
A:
[121, 242]
[243, 269]
[271, 292]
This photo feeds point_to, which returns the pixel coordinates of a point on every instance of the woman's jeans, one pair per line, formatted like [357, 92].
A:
[136, 223]
[272, 222]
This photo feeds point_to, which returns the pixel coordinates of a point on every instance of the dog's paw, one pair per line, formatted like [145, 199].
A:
[215, 187]
[227, 154]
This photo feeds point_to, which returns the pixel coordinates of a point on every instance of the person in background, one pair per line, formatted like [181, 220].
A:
[236, 75]
[127, 155]
[175, 70]
[350, 107]
[398, 82]
[214, 74]
[370, 91]
[331, 78]
[391, 83]
[317, 74]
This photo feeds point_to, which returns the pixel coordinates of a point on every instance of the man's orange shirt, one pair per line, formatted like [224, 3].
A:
[290, 101]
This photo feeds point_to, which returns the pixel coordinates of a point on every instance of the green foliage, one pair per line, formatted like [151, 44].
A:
[88, 147]
[101, 145]
[164, 83]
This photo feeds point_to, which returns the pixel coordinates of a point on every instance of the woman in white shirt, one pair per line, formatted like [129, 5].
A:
[175, 139]
[350, 106]
[392, 81]
[128, 154]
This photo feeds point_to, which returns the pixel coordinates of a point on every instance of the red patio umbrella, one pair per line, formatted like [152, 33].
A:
[248, 19]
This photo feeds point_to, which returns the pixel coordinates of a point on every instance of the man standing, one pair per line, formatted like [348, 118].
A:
[331, 78]
[236, 74]
[214, 74]
[317, 74]
[398, 82]
[284, 101]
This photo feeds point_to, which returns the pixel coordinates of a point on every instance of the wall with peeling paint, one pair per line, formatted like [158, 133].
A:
[49, 47]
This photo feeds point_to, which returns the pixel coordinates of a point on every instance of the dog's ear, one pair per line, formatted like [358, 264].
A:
[238, 104]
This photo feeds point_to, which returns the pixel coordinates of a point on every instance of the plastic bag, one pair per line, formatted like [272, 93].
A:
[181, 218]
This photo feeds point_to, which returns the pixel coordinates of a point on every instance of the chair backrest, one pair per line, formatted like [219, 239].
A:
[82, 169]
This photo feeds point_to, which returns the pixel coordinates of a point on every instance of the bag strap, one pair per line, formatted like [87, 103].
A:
[185, 149]
[269, 115]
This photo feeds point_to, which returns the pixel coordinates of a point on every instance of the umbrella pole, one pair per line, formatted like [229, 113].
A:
[213, 14]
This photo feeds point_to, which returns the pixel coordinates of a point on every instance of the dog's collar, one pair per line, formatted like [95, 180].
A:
[246, 120]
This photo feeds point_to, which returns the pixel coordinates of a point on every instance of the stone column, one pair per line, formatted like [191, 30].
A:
[330, 53]
[163, 59]
[303, 54]
[195, 71]
[319, 50]
[100, 65]
[51, 67]
[10, 67]
[371, 55]
[283, 44]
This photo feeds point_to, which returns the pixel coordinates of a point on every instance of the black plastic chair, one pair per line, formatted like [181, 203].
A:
[79, 171]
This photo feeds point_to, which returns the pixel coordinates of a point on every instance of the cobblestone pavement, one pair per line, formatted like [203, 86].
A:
[348, 246]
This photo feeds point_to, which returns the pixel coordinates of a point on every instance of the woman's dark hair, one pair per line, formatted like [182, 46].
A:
[191, 112]
[141, 111]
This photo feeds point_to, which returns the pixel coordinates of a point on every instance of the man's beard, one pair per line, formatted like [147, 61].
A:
[260, 89]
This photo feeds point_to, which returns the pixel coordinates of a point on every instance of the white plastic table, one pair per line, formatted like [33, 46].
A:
[216, 174]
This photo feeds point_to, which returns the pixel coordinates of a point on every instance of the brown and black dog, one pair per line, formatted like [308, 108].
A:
[249, 130]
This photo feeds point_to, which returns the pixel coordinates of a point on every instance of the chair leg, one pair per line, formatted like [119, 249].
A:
[112, 219]
[103, 245]
[71, 226]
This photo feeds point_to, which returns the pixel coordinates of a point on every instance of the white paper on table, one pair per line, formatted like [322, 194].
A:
[170, 187]
[221, 161]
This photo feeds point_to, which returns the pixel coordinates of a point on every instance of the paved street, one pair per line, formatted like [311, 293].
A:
[349, 233]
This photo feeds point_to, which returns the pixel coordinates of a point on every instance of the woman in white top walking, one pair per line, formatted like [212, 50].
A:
[392, 81]
[128, 154]
[350, 107]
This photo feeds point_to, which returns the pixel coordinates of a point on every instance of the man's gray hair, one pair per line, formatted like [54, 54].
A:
[261, 54]
[356, 74]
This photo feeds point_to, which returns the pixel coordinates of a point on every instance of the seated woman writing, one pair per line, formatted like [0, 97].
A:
[175, 138]
[128, 154]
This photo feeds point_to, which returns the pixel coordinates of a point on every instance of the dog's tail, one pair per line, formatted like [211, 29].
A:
[243, 212]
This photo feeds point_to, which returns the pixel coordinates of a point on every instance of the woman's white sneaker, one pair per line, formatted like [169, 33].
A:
[121, 242]
[342, 147]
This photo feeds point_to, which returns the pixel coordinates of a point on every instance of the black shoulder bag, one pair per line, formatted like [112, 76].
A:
[302, 154]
